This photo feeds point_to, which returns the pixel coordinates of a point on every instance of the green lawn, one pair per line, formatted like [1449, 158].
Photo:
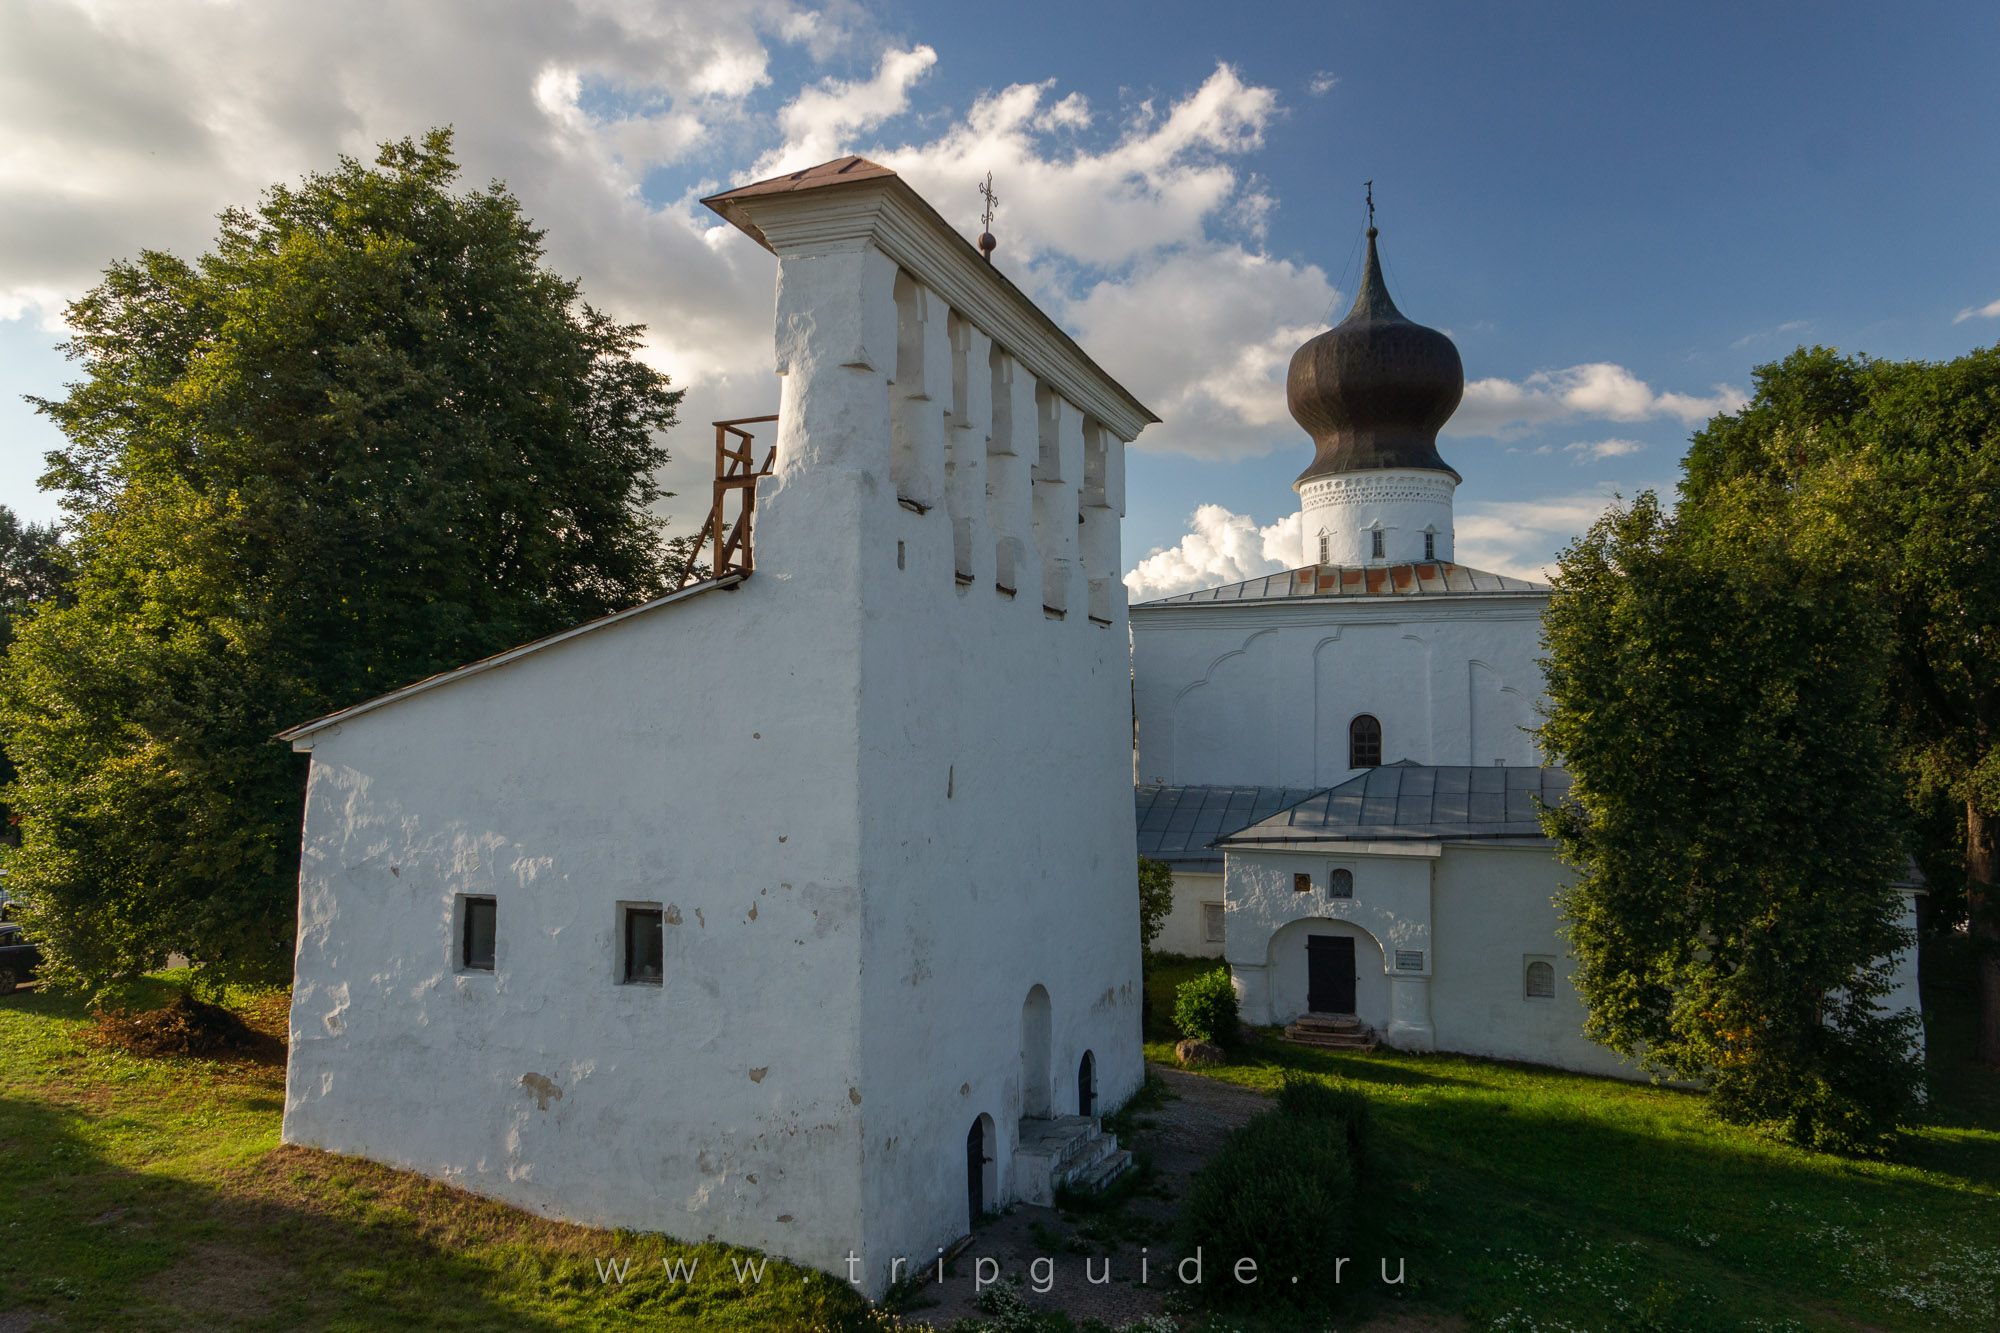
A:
[1525, 1198]
[153, 1194]
[150, 1194]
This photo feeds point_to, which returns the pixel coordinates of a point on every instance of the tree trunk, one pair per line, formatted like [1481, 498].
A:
[1984, 915]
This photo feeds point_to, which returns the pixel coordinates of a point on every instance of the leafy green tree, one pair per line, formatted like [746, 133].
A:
[1156, 899]
[1929, 435]
[367, 438]
[32, 574]
[1716, 686]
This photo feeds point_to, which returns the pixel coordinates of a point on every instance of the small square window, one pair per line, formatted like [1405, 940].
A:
[1302, 883]
[475, 947]
[1409, 960]
[1211, 915]
[1539, 982]
[645, 943]
[1340, 883]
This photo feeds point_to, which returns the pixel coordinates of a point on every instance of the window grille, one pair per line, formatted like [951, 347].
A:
[1340, 884]
[1364, 742]
[1541, 981]
[1409, 960]
[1430, 546]
[1212, 920]
[1375, 547]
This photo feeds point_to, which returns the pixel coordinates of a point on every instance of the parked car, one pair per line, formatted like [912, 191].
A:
[18, 957]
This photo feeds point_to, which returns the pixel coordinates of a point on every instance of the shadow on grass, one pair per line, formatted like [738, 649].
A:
[101, 1246]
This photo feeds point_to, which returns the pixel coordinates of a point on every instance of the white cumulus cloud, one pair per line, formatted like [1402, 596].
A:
[1220, 548]
[1991, 310]
[1591, 451]
[1597, 390]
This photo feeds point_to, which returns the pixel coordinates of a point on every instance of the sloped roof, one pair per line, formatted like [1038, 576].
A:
[1416, 801]
[1176, 824]
[1427, 578]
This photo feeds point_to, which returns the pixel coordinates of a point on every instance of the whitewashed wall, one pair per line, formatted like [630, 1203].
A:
[1185, 930]
[1262, 693]
[881, 798]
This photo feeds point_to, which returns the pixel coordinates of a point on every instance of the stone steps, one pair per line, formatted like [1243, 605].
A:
[1066, 1153]
[1336, 1032]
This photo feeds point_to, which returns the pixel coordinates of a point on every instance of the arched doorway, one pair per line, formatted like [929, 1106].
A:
[1035, 1055]
[1086, 1085]
[979, 1169]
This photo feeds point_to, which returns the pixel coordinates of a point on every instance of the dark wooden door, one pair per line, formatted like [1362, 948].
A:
[1330, 974]
[975, 1171]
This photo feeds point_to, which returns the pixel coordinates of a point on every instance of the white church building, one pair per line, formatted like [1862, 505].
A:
[753, 912]
[1336, 760]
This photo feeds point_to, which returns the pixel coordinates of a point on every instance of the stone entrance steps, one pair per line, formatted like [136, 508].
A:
[1070, 1152]
[1338, 1032]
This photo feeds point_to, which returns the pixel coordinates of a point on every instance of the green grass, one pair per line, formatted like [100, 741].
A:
[153, 1194]
[1526, 1198]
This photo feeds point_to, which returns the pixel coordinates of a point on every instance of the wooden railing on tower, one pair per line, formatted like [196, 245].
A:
[736, 473]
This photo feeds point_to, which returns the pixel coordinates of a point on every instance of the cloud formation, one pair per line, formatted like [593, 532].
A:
[1991, 310]
[1597, 390]
[1220, 548]
[1591, 451]
[1523, 537]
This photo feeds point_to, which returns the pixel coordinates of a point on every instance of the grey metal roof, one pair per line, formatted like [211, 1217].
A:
[1417, 801]
[1176, 824]
[1426, 578]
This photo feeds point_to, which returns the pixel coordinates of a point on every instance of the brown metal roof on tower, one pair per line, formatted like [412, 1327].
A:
[1373, 390]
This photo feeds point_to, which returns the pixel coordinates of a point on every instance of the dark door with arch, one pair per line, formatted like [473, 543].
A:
[975, 1171]
[1330, 974]
[1086, 1085]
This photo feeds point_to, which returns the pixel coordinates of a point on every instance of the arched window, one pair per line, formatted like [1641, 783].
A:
[1086, 1085]
[1541, 981]
[1364, 742]
[1340, 883]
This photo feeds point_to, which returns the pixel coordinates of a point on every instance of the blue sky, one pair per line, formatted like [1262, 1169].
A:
[1616, 210]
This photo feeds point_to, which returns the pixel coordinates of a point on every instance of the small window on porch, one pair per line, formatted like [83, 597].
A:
[1211, 918]
[1340, 883]
[1540, 982]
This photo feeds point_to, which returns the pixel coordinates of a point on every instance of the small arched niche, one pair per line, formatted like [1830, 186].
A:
[1035, 1025]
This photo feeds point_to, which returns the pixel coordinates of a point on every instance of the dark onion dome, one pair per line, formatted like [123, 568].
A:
[1373, 390]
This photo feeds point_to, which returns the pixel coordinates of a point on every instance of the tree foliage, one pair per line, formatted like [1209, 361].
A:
[367, 438]
[1928, 436]
[1716, 684]
[1156, 899]
[33, 573]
